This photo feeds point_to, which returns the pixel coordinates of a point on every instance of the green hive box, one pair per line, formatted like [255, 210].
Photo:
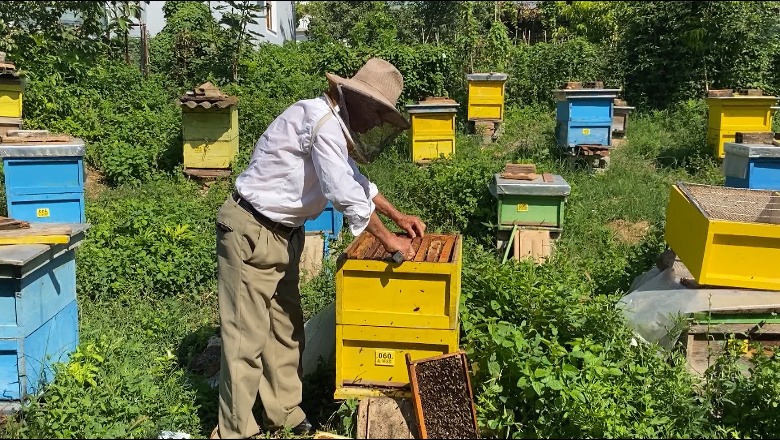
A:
[530, 202]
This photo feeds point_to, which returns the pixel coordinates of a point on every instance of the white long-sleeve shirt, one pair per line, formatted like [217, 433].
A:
[292, 174]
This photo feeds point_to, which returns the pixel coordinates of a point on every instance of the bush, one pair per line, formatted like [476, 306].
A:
[551, 359]
[140, 246]
[129, 124]
[536, 70]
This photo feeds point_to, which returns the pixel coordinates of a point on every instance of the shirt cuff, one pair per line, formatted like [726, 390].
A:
[358, 222]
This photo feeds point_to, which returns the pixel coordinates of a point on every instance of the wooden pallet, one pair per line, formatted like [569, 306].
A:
[702, 343]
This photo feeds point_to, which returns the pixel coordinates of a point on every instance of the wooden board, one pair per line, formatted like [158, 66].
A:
[532, 244]
[756, 137]
[10, 223]
[37, 235]
[520, 168]
[320, 434]
[386, 417]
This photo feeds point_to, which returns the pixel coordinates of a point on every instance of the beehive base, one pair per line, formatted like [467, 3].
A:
[385, 417]
[535, 244]
[312, 256]
[703, 344]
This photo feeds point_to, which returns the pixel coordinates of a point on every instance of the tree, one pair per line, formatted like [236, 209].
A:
[238, 16]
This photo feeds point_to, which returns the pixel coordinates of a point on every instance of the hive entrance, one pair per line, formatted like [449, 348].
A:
[433, 248]
[735, 204]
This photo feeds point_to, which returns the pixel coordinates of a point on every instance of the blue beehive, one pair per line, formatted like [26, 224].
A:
[754, 166]
[44, 181]
[329, 223]
[38, 313]
[584, 117]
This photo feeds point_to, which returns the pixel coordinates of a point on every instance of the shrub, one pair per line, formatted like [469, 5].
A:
[140, 246]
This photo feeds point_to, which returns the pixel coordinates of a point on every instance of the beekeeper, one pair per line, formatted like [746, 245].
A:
[305, 158]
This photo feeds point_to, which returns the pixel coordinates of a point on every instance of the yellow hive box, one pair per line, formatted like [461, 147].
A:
[216, 154]
[486, 96]
[11, 93]
[728, 115]
[433, 129]
[370, 361]
[370, 290]
[725, 236]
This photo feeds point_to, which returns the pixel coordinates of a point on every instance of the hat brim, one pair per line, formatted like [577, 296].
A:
[392, 115]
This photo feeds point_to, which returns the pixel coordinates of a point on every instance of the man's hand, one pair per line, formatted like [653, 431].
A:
[412, 225]
[394, 243]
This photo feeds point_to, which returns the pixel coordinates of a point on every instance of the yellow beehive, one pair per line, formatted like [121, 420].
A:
[11, 93]
[486, 96]
[729, 114]
[433, 128]
[209, 128]
[728, 237]
[386, 309]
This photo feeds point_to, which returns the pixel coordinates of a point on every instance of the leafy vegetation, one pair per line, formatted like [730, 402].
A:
[551, 353]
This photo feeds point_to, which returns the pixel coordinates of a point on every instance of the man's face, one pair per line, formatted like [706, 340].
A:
[363, 113]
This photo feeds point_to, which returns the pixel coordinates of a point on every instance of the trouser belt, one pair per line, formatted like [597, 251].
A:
[263, 220]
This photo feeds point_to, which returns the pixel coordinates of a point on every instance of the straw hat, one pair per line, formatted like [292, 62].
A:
[380, 82]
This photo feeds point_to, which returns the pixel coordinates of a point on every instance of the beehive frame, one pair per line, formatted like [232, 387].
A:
[415, 384]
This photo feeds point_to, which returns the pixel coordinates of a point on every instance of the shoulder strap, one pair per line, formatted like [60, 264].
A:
[325, 118]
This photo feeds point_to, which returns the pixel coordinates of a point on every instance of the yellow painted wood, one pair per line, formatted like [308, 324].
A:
[202, 154]
[433, 135]
[210, 137]
[36, 239]
[723, 253]
[213, 124]
[686, 231]
[413, 294]
[11, 94]
[728, 115]
[486, 101]
[362, 353]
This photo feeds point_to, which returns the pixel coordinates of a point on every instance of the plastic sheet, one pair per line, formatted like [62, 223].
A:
[320, 339]
[657, 300]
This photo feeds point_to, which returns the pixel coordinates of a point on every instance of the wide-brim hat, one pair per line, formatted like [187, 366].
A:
[382, 84]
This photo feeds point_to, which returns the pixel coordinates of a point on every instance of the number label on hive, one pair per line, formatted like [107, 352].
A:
[42, 212]
[522, 207]
[385, 357]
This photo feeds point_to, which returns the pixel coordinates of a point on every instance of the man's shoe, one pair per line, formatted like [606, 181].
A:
[303, 428]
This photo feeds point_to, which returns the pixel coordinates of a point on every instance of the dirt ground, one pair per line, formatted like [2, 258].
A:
[629, 232]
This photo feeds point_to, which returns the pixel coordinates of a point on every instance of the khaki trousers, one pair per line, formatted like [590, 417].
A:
[261, 323]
